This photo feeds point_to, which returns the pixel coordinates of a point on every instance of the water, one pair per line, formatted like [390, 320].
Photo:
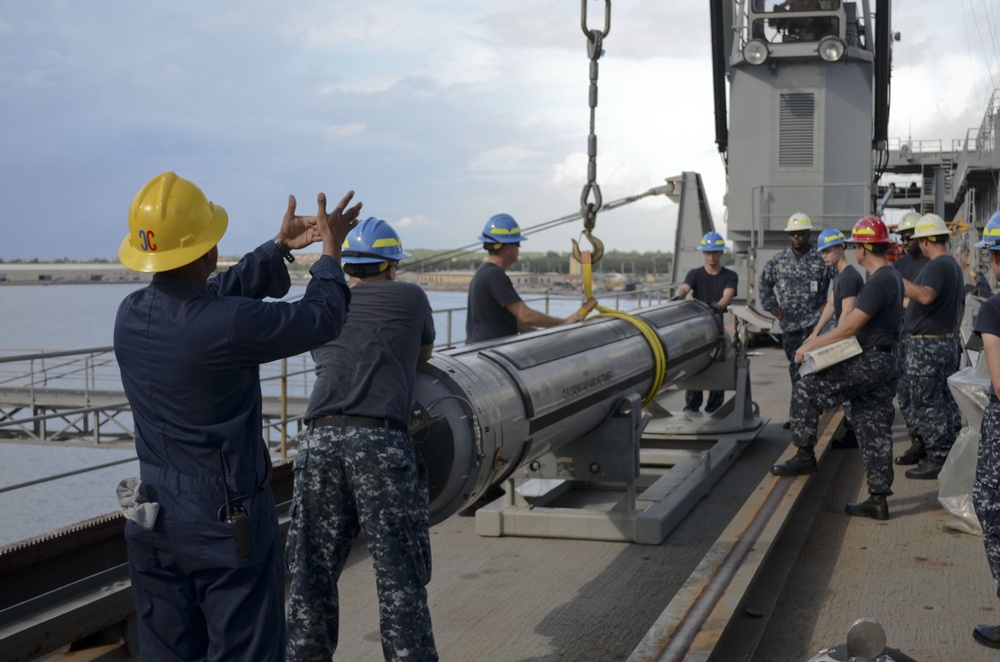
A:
[37, 509]
[59, 317]
[34, 318]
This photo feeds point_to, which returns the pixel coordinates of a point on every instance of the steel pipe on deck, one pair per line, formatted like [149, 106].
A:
[489, 408]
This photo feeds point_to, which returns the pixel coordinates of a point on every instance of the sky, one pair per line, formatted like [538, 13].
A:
[438, 114]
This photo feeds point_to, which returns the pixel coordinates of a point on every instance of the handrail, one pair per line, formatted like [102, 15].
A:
[80, 371]
[12, 422]
[48, 355]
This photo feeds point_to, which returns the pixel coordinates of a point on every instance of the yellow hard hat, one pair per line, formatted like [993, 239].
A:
[171, 223]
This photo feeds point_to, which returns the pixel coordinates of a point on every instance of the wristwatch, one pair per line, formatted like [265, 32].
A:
[284, 250]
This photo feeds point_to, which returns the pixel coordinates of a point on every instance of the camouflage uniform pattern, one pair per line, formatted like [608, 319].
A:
[903, 390]
[790, 342]
[986, 490]
[935, 415]
[349, 479]
[956, 413]
[787, 281]
[868, 382]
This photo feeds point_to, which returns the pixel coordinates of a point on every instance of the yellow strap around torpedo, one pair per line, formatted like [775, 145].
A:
[653, 340]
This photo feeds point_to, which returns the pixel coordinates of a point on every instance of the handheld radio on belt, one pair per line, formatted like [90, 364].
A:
[236, 516]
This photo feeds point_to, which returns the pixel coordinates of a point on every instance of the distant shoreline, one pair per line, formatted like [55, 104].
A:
[295, 281]
[98, 273]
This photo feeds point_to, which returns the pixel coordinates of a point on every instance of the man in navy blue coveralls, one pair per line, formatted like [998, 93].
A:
[189, 350]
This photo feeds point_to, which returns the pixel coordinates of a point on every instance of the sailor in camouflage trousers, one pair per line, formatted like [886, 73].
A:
[986, 489]
[908, 266]
[357, 468]
[346, 479]
[867, 381]
[929, 363]
[793, 288]
[932, 353]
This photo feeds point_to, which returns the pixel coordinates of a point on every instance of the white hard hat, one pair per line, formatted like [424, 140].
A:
[930, 225]
[908, 222]
[798, 221]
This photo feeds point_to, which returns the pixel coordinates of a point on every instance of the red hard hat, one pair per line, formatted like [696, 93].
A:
[869, 230]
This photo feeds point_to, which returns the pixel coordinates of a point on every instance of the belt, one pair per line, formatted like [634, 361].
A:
[932, 336]
[340, 420]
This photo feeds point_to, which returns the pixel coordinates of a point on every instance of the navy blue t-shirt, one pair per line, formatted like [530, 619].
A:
[882, 299]
[944, 276]
[369, 370]
[846, 284]
[909, 266]
[988, 321]
[487, 317]
[710, 287]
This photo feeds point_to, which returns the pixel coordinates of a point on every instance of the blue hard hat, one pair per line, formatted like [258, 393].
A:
[712, 242]
[829, 238]
[372, 240]
[501, 229]
[991, 234]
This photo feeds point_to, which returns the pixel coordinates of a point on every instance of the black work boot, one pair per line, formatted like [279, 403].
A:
[848, 440]
[987, 635]
[928, 469]
[914, 453]
[875, 507]
[803, 462]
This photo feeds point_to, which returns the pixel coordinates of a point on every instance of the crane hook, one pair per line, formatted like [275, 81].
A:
[598, 248]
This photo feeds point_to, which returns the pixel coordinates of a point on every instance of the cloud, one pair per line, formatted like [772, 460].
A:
[502, 160]
[438, 114]
[346, 130]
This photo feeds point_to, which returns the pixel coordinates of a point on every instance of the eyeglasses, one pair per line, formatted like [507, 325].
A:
[799, 233]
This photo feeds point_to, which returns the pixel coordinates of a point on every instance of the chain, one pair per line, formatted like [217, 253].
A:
[590, 197]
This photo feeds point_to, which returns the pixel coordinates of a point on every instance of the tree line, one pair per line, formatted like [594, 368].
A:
[626, 262]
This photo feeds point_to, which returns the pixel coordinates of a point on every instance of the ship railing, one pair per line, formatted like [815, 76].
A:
[986, 137]
[86, 423]
[83, 368]
[773, 204]
[66, 394]
[935, 146]
[78, 394]
[972, 141]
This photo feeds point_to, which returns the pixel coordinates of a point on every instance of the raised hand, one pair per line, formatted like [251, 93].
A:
[334, 226]
[298, 231]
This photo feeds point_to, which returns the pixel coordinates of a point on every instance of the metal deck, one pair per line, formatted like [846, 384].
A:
[534, 600]
[803, 578]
